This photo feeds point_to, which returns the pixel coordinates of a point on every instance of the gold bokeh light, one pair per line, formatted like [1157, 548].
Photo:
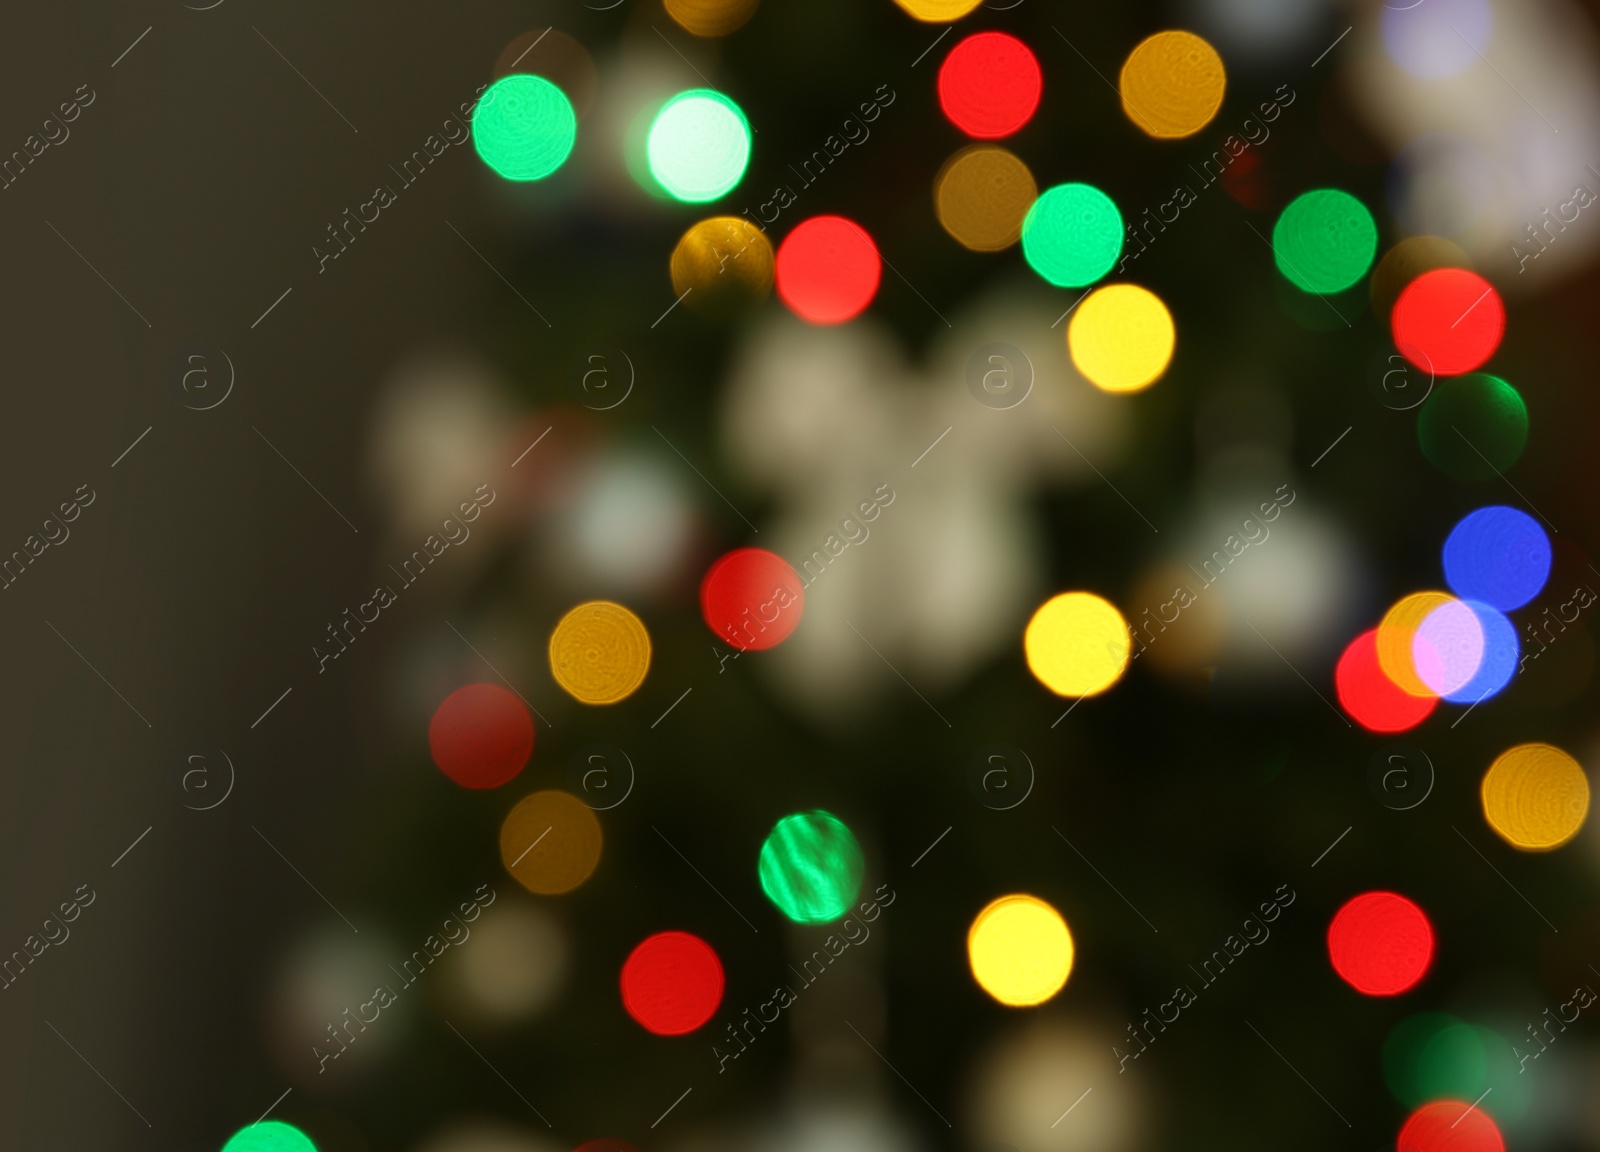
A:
[600, 652]
[981, 196]
[550, 842]
[1535, 796]
[1172, 85]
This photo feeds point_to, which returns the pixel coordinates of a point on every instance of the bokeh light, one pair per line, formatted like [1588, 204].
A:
[1448, 648]
[516, 967]
[989, 85]
[1449, 1126]
[981, 196]
[1535, 796]
[550, 842]
[481, 736]
[600, 652]
[672, 983]
[624, 524]
[811, 867]
[1437, 39]
[1380, 943]
[1369, 697]
[1397, 633]
[269, 1136]
[1324, 241]
[1500, 651]
[524, 127]
[739, 589]
[1072, 235]
[1259, 31]
[827, 270]
[722, 265]
[1077, 644]
[938, 11]
[699, 145]
[1433, 1055]
[1497, 555]
[1121, 338]
[1405, 262]
[711, 17]
[1410, 1076]
[1016, 1071]
[1448, 321]
[1020, 950]
[1473, 427]
[1172, 84]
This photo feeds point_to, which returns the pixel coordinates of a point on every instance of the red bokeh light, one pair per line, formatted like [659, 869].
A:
[672, 983]
[481, 736]
[989, 85]
[827, 270]
[1373, 700]
[1449, 1126]
[752, 598]
[1448, 321]
[1381, 944]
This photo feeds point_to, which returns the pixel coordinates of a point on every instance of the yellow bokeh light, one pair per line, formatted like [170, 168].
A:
[1121, 338]
[938, 11]
[600, 652]
[723, 263]
[1397, 630]
[1405, 262]
[711, 17]
[1535, 796]
[1020, 950]
[1077, 644]
[550, 842]
[981, 196]
[1172, 84]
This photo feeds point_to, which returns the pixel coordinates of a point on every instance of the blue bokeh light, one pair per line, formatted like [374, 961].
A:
[1497, 555]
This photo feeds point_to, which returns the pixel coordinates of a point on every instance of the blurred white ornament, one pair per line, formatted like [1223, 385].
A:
[627, 528]
[438, 432]
[902, 501]
[1025, 1083]
[511, 966]
[1527, 98]
[1259, 31]
[322, 981]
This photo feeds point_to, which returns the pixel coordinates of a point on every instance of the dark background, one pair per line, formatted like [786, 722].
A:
[197, 182]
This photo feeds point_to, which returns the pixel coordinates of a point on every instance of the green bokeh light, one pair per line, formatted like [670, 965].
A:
[1473, 427]
[811, 867]
[1435, 1056]
[699, 145]
[1072, 235]
[524, 127]
[1325, 241]
[270, 1136]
